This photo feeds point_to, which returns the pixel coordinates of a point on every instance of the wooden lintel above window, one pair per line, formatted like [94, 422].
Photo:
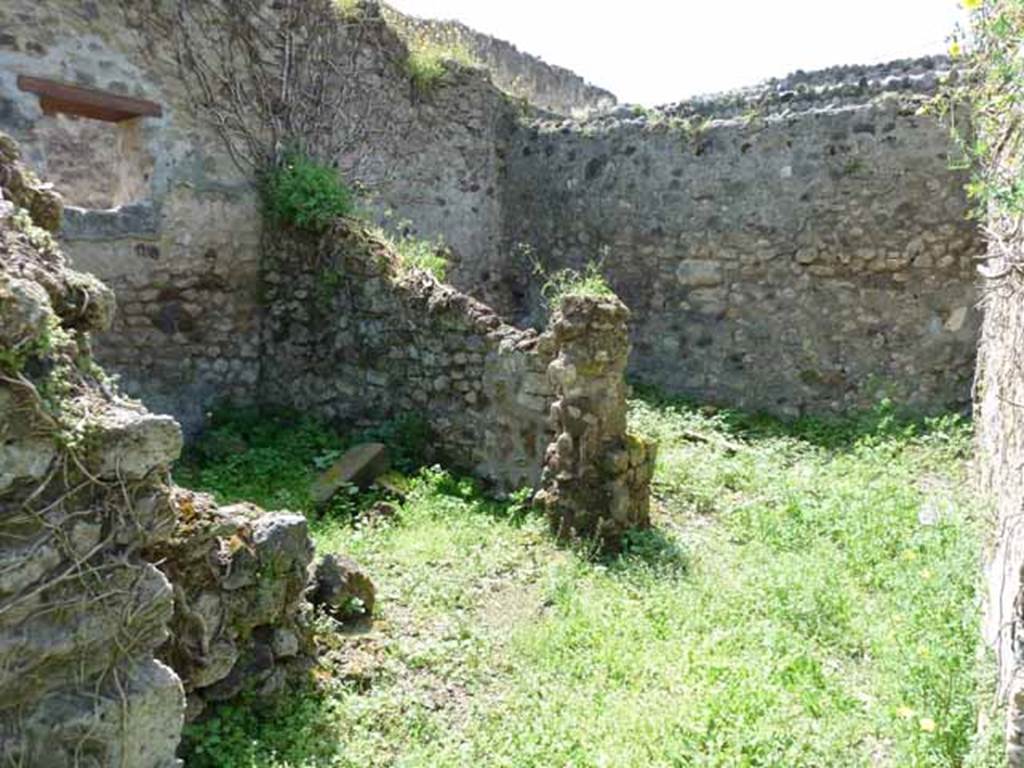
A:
[56, 97]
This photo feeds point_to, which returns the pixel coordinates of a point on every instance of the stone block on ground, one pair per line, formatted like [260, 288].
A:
[359, 466]
[342, 587]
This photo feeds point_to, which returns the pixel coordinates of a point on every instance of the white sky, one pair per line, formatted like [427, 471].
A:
[657, 51]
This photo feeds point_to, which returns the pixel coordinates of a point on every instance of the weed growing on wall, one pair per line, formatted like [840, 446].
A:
[426, 63]
[349, 10]
[430, 255]
[305, 194]
[565, 283]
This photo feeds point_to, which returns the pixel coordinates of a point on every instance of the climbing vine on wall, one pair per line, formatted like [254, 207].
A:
[274, 79]
[990, 59]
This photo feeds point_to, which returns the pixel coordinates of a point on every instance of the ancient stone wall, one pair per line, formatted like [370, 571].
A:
[796, 246]
[801, 246]
[353, 335]
[517, 73]
[181, 249]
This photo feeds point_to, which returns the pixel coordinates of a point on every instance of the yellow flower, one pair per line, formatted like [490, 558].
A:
[926, 574]
[927, 724]
[954, 49]
[905, 712]
[973, 5]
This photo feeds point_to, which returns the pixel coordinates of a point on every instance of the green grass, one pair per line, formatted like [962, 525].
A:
[809, 597]
[271, 458]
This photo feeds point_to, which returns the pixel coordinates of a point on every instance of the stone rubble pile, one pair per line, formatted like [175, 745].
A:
[240, 619]
[83, 492]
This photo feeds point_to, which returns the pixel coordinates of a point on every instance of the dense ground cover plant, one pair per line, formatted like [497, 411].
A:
[808, 597]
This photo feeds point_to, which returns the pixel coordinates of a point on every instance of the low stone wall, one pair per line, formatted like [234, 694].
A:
[807, 251]
[351, 335]
[354, 335]
[240, 622]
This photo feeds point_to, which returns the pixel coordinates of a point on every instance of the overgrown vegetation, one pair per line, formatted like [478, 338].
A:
[809, 597]
[303, 193]
[271, 457]
[991, 89]
[426, 63]
[561, 284]
[432, 256]
[349, 10]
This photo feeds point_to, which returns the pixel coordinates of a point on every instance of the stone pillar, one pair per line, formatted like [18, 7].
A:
[596, 480]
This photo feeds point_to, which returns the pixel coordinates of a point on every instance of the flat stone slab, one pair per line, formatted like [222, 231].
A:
[359, 466]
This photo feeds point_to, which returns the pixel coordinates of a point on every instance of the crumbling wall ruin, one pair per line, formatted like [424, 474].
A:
[241, 621]
[518, 73]
[83, 490]
[119, 594]
[353, 335]
[597, 475]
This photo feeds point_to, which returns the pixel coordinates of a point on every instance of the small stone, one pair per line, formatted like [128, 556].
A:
[343, 587]
[695, 273]
[359, 466]
[285, 643]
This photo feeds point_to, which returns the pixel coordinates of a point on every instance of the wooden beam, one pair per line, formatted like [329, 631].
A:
[55, 97]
